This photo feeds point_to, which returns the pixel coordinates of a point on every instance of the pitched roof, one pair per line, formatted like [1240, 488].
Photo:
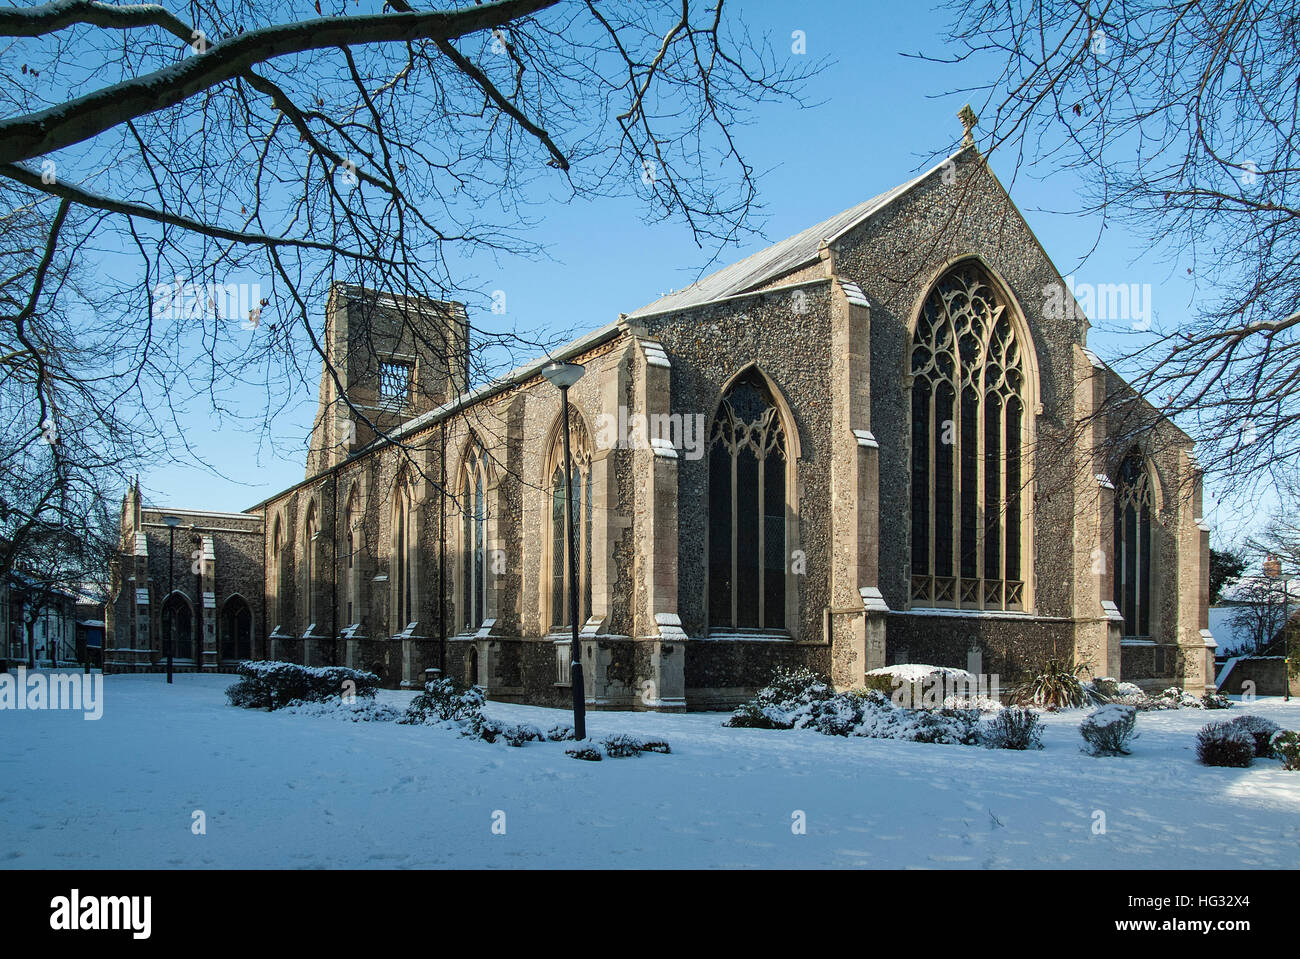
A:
[779, 258]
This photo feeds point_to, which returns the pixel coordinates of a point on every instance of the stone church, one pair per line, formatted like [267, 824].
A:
[871, 443]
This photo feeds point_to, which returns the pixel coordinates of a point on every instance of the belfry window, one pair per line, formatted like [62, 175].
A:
[1133, 505]
[968, 431]
[394, 381]
[747, 509]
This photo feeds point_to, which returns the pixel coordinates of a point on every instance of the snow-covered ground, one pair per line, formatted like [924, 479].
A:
[294, 791]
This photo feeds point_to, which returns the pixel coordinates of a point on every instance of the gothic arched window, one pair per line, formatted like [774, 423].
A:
[580, 450]
[236, 630]
[352, 545]
[177, 626]
[747, 507]
[404, 552]
[279, 562]
[968, 431]
[1133, 505]
[310, 531]
[473, 537]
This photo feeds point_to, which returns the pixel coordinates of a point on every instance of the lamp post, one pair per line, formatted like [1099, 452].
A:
[1273, 570]
[172, 522]
[562, 376]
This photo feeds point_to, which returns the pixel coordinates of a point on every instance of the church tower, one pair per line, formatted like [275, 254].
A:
[391, 358]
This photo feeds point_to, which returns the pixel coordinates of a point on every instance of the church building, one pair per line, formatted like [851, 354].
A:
[880, 441]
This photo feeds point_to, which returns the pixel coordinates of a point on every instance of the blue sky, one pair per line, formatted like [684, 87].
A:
[879, 118]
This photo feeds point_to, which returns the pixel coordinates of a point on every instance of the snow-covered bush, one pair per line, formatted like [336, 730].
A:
[1108, 730]
[1215, 701]
[357, 711]
[621, 745]
[521, 733]
[445, 699]
[559, 732]
[1174, 698]
[1286, 744]
[750, 715]
[1261, 730]
[1014, 728]
[785, 702]
[958, 727]
[921, 686]
[1056, 686]
[1224, 744]
[585, 751]
[273, 685]
[655, 746]
[836, 716]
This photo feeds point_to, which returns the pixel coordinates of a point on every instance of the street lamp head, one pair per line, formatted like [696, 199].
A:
[563, 375]
[172, 521]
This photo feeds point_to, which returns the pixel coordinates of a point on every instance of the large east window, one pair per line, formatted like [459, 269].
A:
[968, 433]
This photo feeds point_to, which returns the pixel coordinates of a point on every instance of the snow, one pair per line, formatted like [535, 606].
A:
[283, 790]
[914, 672]
[1110, 714]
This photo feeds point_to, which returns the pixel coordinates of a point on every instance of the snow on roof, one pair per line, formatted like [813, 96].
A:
[779, 258]
[1254, 588]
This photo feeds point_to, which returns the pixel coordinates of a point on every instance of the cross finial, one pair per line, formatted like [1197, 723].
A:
[968, 121]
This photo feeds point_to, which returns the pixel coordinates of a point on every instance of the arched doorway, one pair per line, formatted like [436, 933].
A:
[236, 630]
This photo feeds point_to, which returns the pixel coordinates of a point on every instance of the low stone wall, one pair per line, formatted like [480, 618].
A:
[1153, 667]
[723, 673]
[1007, 646]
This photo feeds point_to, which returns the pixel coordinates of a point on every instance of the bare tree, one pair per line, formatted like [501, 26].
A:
[288, 145]
[1183, 120]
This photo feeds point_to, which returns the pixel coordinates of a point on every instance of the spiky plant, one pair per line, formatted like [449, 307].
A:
[1056, 686]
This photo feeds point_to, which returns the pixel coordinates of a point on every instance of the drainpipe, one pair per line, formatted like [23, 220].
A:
[334, 572]
[265, 635]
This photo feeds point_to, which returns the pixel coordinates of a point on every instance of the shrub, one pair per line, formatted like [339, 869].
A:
[1105, 688]
[752, 716]
[1109, 730]
[621, 745]
[444, 699]
[359, 711]
[584, 751]
[1014, 728]
[958, 727]
[1056, 686]
[480, 727]
[1261, 731]
[655, 746]
[1286, 744]
[559, 733]
[837, 716]
[522, 733]
[1174, 698]
[1223, 744]
[1215, 701]
[784, 702]
[272, 685]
